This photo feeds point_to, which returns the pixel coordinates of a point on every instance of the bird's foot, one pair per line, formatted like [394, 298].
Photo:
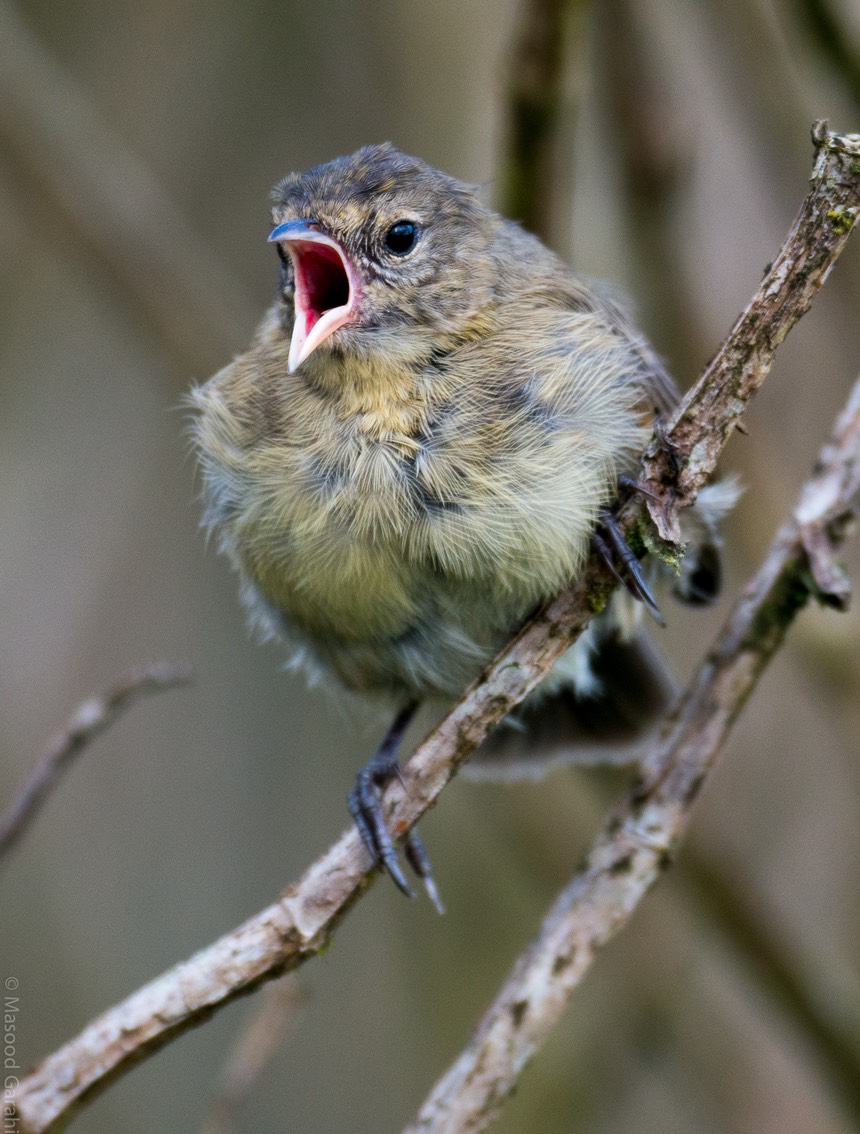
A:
[365, 805]
[610, 542]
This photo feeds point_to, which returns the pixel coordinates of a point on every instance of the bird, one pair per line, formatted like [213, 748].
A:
[420, 447]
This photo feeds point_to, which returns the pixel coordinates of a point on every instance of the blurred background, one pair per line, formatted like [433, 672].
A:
[663, 145]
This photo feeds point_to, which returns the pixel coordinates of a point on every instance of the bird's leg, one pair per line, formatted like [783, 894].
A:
[365, 802]
[615, 547]
[365, 805]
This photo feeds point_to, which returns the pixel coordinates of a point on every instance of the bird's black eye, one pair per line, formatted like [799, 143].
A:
[401, 237]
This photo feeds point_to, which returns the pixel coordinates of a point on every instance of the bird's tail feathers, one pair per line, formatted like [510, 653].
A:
[700, 578]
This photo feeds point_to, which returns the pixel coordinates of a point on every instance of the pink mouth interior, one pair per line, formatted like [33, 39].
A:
[321, 280]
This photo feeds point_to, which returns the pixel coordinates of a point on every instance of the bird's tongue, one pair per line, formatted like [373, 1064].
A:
[324, 295]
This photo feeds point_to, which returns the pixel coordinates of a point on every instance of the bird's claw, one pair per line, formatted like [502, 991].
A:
[630, 485]
[365, 806]
[419, 860]
[616, 547]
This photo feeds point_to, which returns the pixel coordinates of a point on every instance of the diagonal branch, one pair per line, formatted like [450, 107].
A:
[643, 830]
[698, 430]
[88, 720]
[300, 923]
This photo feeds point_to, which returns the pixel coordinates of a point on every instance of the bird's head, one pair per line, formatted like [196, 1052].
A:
[379, 247]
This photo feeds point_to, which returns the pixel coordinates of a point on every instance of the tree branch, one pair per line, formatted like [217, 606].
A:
[698, 430]
[299, 924]
[643, 831]
[88, 720]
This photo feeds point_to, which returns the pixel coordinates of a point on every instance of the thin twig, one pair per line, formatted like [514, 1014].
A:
[757, 942]
[643, 831]
[701, 424]
[273, 1016]
[298, 925]
[653, 158]
[86, 722]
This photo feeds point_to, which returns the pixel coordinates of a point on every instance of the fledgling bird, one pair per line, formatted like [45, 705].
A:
[416, 451]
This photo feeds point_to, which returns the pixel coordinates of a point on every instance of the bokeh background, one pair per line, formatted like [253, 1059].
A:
[138, 143]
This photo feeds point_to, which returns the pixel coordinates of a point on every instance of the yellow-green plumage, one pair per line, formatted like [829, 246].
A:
[433, 470]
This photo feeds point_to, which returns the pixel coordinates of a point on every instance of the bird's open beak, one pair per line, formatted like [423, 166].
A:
[326, 286]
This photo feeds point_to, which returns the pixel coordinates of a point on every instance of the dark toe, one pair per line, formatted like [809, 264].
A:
[365, 806]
